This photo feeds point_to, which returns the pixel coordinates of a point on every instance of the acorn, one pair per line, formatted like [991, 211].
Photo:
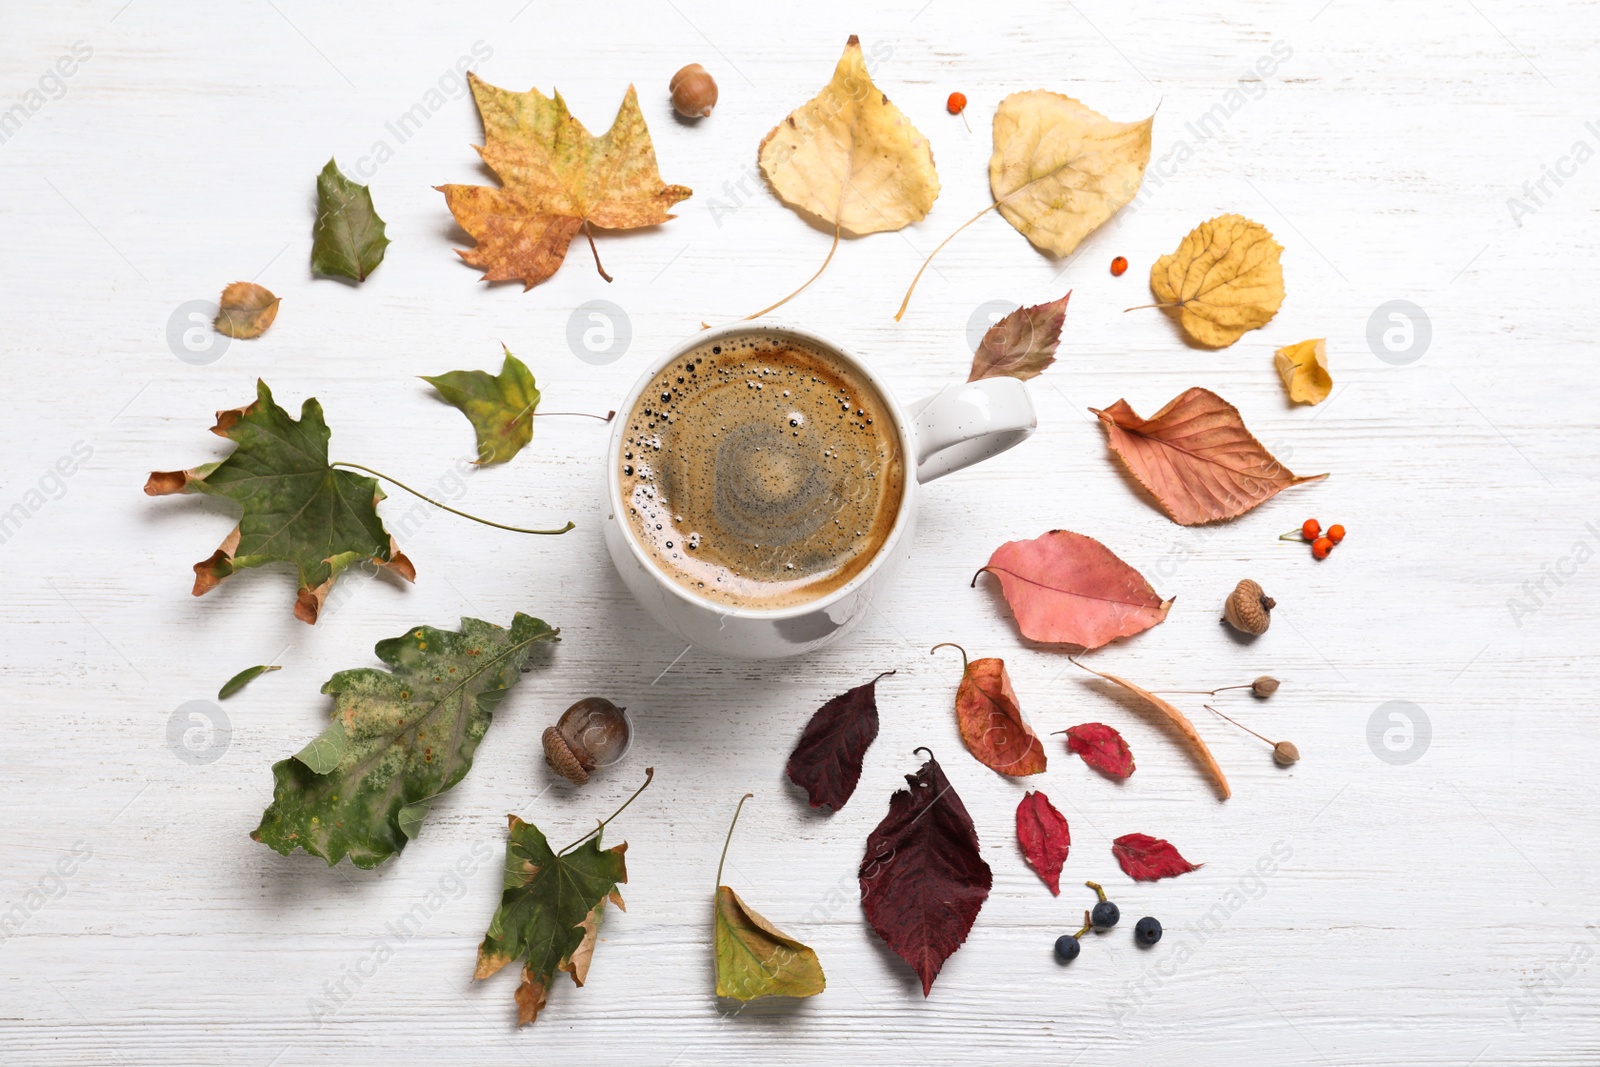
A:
[591, 734]
[1248, 609]
[694, 92]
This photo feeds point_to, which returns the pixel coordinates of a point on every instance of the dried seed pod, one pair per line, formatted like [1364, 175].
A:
[1284, 753]
[1264, 686]
[694, 92]
[1248, 609]
[591, 734]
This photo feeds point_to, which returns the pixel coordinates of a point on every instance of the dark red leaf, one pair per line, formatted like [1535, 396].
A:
[1101, 748]
[827, 761]
[1044, 836]
[1145, 858]
[923, 880]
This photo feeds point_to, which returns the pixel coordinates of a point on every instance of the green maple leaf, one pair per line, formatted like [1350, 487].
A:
[500, 407]
[550, 911]
[347, 239]
[297, 508]
[398, 739]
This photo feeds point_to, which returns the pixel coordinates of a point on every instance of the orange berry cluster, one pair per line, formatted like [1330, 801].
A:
[1321, 542]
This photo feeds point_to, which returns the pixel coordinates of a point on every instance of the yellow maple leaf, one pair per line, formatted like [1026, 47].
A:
[1224, 279]
[558, 178]
[1304, 370]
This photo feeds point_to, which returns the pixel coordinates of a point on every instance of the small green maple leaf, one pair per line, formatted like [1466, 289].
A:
[550, 911]
[296, 508]
[348, 238]
[398, 739]
[499, 406]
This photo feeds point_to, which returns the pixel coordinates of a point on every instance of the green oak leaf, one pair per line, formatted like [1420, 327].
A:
[550, 911]
[297, 508]
[347, 239]
[500, 407]
[398, 738]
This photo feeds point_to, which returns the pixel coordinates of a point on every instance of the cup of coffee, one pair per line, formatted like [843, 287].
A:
[761, 484]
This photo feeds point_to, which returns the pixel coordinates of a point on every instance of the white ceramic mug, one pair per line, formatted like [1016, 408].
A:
[954, 428]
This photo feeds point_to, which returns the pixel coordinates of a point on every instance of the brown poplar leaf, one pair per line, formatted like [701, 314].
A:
[1196, 457]
[1179, 721]
[990, 719]
[1066, 588]
[246, 310]
[1022, 344]
[923, 879]
[1224, 279]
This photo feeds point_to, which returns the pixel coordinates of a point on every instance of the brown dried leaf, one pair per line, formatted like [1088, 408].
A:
[1022, 344]
[247, 309]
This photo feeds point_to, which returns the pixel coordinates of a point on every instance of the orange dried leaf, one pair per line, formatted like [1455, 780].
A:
[246, 310]
[991, 722]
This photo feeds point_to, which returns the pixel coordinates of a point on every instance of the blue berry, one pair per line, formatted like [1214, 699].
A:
[1147, 931]
[1105, 914]
[1067, 948]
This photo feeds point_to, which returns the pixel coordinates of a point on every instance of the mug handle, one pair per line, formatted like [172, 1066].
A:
[967, 423]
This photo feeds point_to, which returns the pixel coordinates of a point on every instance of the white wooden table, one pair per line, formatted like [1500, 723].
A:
[1434, 899]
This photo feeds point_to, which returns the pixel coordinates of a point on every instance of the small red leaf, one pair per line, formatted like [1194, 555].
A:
[1145, 858]
[923, 880]
[991, 722]
[1044, 836]
[1101, 748]
[827, 761]
[1065, 588]
[1022, 344]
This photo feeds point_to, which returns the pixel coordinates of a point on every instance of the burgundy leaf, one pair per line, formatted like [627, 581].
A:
[1145, 858]
[1044, 836]
[1101, 748]
[827, 761]
[923, 880]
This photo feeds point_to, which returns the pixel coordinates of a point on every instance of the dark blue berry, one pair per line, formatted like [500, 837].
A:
[1147, 931]
[1067, 948]
[1105, 914]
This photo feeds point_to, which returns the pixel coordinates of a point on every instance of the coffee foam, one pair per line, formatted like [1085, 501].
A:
[759, 471]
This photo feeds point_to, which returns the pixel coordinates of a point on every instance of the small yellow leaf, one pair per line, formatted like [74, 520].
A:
[246, 311]
[1224, 279]
[1304, 370]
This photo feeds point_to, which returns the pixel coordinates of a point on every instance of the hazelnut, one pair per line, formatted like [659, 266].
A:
[1264, 686]
[694, 92]
[1284, 753]
[591, 734]
[1248, 609]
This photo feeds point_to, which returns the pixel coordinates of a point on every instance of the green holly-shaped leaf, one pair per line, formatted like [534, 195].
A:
[550, 911]
[398, 739]
[297, 508]
[347, 239]
[499, 406]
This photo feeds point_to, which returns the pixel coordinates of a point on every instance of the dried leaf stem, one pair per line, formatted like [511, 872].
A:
[446, 507]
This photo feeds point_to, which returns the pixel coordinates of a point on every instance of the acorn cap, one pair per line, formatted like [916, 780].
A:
[561, 758]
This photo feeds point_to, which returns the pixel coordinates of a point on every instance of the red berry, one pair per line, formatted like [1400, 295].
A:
[1118, 266]
[1336, 533]
[956, 104]
[1321, 547]
[1311, 529]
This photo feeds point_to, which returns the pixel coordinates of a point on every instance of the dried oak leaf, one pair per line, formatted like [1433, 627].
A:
[297, 508]
[245, 311]
[1145, 859]
[558, 178]
[1101, 748]
[1179, 721]
[990, 719]
[1060, 169]
[1196, 457]
[398, 739]
[348, 239]
[827, 761]
[499, 406]
[1304, 370]
[1065, 588]
[1045, 838]
[923, 879]
[753, 957]
[550, 911]
[1022, 344]
[1224, 279]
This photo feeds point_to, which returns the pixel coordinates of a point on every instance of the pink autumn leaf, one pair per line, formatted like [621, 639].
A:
[1065, 588]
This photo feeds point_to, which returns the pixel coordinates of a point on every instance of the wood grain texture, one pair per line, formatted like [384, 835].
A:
[1445, 911]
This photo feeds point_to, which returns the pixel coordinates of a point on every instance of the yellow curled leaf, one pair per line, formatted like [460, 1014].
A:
[756, 959]
[1060, 169]
[850, 157]
[1224, 279]
[1304, 370]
